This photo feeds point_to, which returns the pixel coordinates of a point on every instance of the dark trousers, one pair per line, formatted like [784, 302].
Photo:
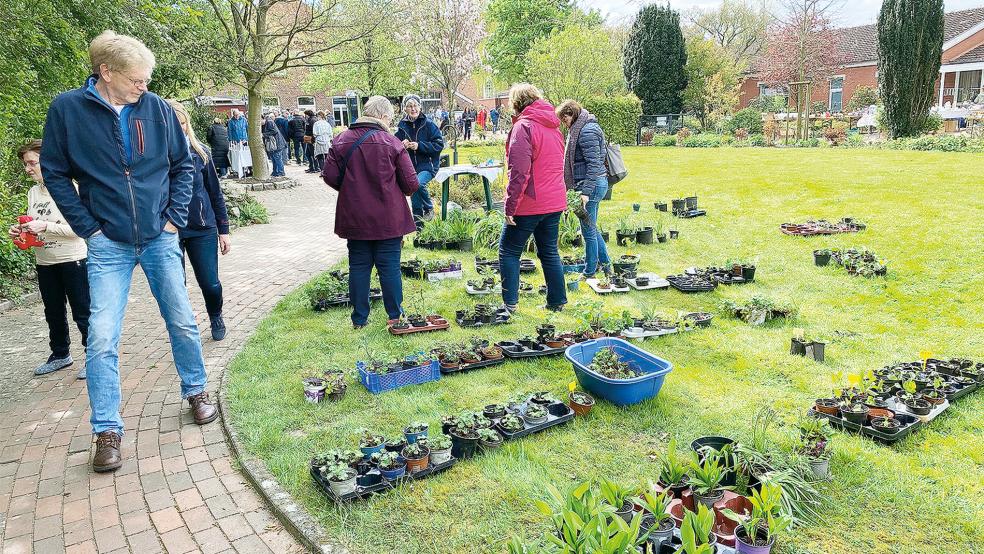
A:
[385, 256]
[309, 156]
[468, 126]
[203, 253]
[514, 238]
[58, 282]
[297, 148]
[319, 161]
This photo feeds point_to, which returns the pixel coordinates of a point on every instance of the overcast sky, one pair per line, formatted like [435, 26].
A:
[853, 12]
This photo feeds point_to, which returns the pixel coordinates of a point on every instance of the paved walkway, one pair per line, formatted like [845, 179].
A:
[178, 490]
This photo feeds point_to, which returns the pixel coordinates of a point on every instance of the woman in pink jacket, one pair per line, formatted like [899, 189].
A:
[535, 197]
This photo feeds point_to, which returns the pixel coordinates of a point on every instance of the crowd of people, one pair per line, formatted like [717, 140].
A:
[122, 180]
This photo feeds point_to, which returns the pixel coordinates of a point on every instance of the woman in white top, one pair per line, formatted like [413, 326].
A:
[61, 266]
[322, 138]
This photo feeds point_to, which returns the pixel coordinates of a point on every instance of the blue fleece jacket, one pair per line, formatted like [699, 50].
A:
[430, 142]
[127, 196]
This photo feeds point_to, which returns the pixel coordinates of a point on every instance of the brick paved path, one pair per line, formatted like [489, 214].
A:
[177, 490]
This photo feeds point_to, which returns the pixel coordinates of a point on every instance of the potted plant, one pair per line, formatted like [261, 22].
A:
[494, 411]
[821, 257]
[395, 444]
[660, 206]
[341, 478]
[815, 434]
[490, 352]
[913, 401]
[511, 423]
[464, 436]
[581, 402]
[854, 411]
[415, 431]
[696, 532]
[335, 385]
[314, 389]
[705, 479]
[440, 448]
[370, 442]
[489, 439]
[624, 232]
[391, 466]
[535, 414]
[659, 230]
[756, 533]
[673, 470]
[886, 424]
[618, 497]
[657, 521]
[417, 455]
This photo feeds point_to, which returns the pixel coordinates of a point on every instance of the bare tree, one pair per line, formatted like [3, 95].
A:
[738, 26]
[268, 36]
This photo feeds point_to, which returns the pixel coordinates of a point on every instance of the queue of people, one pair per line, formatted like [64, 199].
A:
[118, 186]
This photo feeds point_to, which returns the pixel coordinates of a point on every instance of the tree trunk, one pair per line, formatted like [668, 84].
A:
[254, 121]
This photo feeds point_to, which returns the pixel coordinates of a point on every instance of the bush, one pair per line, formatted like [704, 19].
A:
[933, 123]
[664, 140]
[246, 210]
[749, 119]
[768, 104]
[756, 140]
[808, 143]
[863, 97]
[692, 123]
[703, 140]
[617, 115]
[835, 135]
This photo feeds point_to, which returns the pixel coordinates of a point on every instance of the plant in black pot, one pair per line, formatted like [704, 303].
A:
[706, 477]
[625, 231]
[673, 470]
[821, 257]
[886, 424]
[464, 436]
[618, 497]
[913, 400]
[756, 532]
[512, 423]
[814, 436]
[489, 439]
[854, 411]
[657, 521]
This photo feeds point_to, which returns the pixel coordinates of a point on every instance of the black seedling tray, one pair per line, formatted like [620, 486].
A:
[499, 317]
[557, 413]
[691, 213]
[374, 294]
[515, 350]
[910, 424]
[728, 279]
[688, 283]
[374, 481]
[526, 265]
[468, 367]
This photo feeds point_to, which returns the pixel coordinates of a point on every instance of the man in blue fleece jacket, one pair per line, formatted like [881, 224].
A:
[126, 150]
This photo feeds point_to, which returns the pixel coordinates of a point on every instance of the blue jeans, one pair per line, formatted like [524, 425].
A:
[385, 256]
[420, 201]
[111, 266]
[514, 238]
[298, 147]
[202, 250]
[595, 251]
[276, 157]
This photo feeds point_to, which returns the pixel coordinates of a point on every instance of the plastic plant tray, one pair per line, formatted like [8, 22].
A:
[687, 214]
[527, 265]
[899, 408]
[642, 333]
[374, 481]
[689, 283]
[728, 279]
[655, 282]
[499, 317]
[442, 275]
[468, 367]
[515, 350]
[910, 424]
[374, 294]
[575, 268]
[593, 283]
[557, 413]
[482, 292]
[434, 323]
[377, 383]
[962, 392]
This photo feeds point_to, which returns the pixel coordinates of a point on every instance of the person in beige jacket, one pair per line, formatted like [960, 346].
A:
[60, 263]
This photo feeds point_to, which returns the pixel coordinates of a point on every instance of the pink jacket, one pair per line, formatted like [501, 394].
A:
[535, 154]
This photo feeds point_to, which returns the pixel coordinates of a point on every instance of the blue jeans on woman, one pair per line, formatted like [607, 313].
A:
[385, 256]
[110, 268]
[514, 238]
[420, 201]
[276, 158]
[595, 250]
[202, 250]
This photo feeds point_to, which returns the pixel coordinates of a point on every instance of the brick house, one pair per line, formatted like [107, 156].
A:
[963, 62]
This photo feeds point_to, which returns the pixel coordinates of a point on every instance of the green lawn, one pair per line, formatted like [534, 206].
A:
[924, 213]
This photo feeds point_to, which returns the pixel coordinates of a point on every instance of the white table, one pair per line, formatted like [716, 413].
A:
[488, 174]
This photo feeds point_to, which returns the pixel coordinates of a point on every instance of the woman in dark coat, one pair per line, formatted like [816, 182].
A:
[218, 139]
[372, 212]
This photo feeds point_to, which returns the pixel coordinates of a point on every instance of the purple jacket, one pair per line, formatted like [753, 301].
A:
[372, 202]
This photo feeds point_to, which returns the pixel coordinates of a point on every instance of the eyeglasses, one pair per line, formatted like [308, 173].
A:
[137, 82]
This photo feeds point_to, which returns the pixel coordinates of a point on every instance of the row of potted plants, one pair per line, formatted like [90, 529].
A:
[758, 309]
[857, 261]
[420, 269]
[458, 355]
[823, 227]
[454, 233]
[329, 385]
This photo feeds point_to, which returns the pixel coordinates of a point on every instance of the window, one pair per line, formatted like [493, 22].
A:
[836, 102]
[766, 90]
[306, 103]
[271, 101]
[969, 85]
[489, 90]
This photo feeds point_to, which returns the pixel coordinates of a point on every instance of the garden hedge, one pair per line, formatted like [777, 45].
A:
[617, 115]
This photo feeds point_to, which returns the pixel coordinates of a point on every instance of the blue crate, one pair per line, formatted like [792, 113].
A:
[576, 268]
[376, 383]
[621, 392]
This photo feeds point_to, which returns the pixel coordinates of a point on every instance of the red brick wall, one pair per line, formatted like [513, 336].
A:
[853, 78]
[964, 46]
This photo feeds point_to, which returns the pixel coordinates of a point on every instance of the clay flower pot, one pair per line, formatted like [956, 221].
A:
[581, 402]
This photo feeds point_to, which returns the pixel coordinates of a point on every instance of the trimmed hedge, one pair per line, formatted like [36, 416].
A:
[617, 115]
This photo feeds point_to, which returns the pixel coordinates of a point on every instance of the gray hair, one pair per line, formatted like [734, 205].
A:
[119, 52]
[378, 107]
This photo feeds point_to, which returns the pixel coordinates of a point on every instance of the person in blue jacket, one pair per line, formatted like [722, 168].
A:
[207, 232]
[424, 143]
[124, 148]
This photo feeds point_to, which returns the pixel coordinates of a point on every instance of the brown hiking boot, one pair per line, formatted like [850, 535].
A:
[203, 410]
[108, 457]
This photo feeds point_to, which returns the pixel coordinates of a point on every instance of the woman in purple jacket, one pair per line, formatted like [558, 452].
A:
[373, 174]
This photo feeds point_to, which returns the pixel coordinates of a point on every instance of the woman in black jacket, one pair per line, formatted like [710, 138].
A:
[207, 232]
[218, 139]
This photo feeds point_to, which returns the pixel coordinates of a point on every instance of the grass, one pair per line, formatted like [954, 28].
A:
[924, 213]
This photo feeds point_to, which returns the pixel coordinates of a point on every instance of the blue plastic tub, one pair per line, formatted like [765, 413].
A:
[621, 392]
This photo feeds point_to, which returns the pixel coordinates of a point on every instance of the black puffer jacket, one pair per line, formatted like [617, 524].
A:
[295, 128]
[218, 141]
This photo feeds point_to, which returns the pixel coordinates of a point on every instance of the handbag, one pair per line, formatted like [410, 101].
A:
[344, 163]
[308, 139]
[270, 143]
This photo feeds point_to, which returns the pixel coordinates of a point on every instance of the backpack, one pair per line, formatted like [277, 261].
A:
[614, 165]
